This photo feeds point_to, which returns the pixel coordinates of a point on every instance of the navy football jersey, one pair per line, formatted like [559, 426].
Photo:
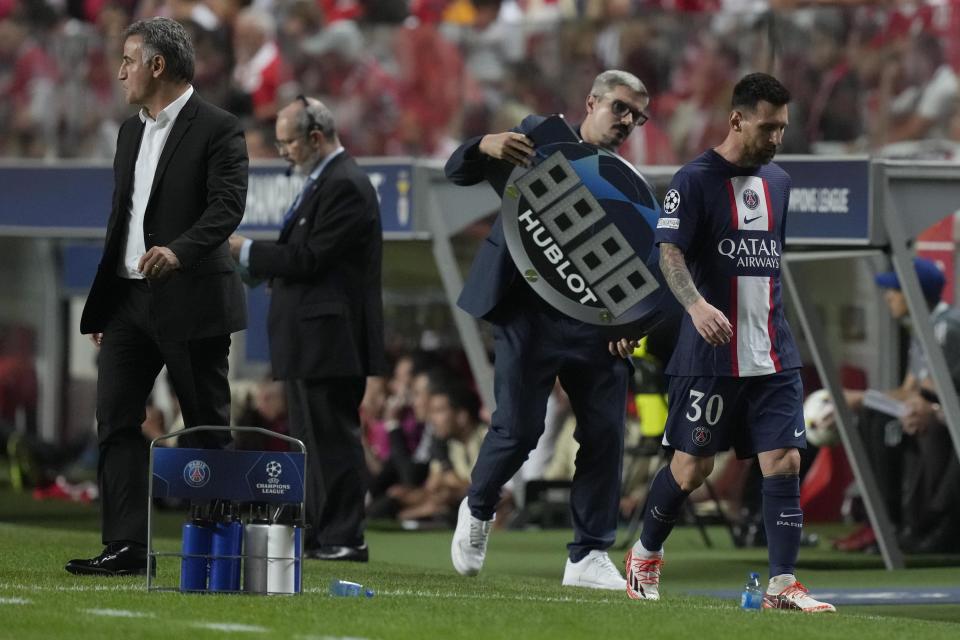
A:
[729, 223]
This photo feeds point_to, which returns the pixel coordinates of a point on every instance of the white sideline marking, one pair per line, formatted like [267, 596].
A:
[328, 638]
[117, 613]
[419, 593]
[14, 601]
[75, 587]
[224, 626]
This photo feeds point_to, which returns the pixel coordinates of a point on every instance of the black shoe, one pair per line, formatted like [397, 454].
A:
[337, 552]
[942, 539]
[117, 559]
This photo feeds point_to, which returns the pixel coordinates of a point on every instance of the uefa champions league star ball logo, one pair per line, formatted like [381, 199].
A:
[196, 473]
[274, 469]
[701, 436]
[751, 199]
[671, 201]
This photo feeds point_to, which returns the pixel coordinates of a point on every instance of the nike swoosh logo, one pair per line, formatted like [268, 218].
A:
[798, 433]
[749, 220]
[792, 515]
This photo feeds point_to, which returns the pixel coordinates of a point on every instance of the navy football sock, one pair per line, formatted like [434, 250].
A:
[663, 506]
[783, 520]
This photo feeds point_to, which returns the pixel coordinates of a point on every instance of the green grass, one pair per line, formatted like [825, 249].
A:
[419, 596]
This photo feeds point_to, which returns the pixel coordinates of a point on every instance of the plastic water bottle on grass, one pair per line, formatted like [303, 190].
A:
[345, 589]
[752, 597]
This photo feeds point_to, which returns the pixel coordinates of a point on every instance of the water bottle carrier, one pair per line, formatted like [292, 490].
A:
[274, 481]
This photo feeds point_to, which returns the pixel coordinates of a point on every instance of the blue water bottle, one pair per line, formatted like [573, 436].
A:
[194, 561]
[345, 589]
[752, 597]
[226, 547]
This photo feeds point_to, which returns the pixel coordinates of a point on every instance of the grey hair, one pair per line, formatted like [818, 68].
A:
[167, 38]
[613, 78]
[315, 116]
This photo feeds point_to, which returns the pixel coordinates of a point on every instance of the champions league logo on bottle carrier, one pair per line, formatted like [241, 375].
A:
[580, 228]
[273, 469]
[196, 473]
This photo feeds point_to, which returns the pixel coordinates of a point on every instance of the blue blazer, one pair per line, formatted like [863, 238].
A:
[493, 271]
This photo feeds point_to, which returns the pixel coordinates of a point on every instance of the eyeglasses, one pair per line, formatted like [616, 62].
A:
[620, 109]
[283, 144]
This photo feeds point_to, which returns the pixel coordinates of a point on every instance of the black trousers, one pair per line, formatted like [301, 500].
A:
[131, 357]
[325, 415]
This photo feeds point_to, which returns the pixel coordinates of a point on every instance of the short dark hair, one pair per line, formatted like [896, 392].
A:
[757, 87]
[167, 38]
[460, 397]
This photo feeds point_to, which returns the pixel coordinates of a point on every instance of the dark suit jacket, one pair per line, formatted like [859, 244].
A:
[493, 271]
[326, 306]
[197, 200]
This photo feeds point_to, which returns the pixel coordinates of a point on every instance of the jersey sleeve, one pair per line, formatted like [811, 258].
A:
[682, 211]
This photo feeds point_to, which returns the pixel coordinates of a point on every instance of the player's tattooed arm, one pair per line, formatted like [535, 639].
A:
[711, 324]
[675, 271]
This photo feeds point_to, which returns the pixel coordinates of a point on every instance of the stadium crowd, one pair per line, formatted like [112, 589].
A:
[414, 78]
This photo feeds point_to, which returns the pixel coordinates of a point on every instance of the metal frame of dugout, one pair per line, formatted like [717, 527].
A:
[236, 474]
[900, 200]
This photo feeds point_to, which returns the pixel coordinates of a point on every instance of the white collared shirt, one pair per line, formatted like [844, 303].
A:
[155, 134]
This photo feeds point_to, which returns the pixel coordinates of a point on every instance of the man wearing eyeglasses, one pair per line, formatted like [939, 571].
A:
[326, 319]
[535, 344]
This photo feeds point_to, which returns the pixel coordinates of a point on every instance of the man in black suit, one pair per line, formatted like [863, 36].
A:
[325, 321]
[165, 292]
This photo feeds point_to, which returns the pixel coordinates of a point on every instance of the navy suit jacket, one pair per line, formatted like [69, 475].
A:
[493, 271]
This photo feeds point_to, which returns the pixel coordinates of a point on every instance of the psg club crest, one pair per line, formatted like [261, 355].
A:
[751, 199]
[701, 436]
[196, 473]
[580, 229]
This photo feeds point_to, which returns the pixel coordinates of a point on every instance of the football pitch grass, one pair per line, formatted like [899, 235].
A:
[418, 595]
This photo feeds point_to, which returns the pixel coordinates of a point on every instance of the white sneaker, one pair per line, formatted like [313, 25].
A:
[643, 574]
[469, 546]
[793, 595]
[595, 571]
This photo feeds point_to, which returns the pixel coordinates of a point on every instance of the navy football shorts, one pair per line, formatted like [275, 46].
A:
[754, 414]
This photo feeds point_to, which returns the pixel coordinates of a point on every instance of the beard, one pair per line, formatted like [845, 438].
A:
[761, 156]
[616, 137]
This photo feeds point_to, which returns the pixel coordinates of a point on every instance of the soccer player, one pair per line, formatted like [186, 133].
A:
[733, 374]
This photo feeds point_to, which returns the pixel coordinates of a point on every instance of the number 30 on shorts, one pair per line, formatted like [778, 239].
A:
[712, 410]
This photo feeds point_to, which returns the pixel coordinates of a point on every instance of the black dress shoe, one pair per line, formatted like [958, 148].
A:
[117, 559]
[338, 552]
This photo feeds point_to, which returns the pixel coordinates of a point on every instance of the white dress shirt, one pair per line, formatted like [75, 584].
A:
[155, 134]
